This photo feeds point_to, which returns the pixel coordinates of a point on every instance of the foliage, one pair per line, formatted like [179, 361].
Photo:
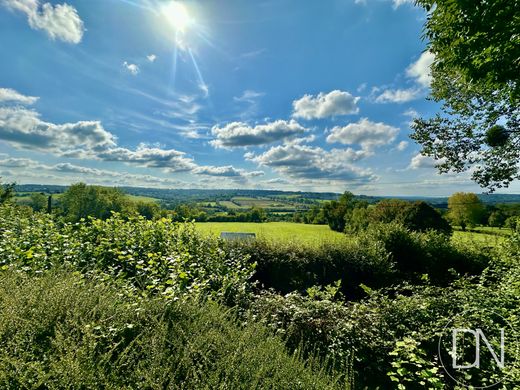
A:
[383, 255]
[286, 266]
[433, 254]
[497, 218]
[465, 209]
[416, 216]
[411, 369]
[149, 210]
[62, 330]
[512, 222]
[396, 331]
[6, 192]
[338, 213]
[157, 257]
[82, 201]
[38, 201]
[476, 75]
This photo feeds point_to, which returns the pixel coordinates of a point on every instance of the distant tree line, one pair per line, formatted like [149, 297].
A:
[465, 210]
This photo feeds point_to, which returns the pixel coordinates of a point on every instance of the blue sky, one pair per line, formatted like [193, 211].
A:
[273, 94]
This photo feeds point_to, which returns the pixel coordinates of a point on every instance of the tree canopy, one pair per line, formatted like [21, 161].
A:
[475, 75]
[6, 192]
[465, 209]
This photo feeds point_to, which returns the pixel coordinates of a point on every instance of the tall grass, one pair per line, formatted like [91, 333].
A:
[61, 330]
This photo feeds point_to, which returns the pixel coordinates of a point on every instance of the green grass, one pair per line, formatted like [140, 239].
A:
[230, 205]
[477, 238]
[316, 234]
[275, 231]
[140, 198]
[62, 331]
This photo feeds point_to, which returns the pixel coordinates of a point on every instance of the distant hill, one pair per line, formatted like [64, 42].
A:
[201, 195]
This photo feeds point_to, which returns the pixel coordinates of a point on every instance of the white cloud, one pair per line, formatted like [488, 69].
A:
[204, 88]
[240, 134]
[226, 171]
[399, 95]
[132, 68]
[398, 3]
[32, 168]
[313, 163]
[25, 129]
[421, 161]
[402, 145]
[420, 69]
[10, 95]
[151, 57]
[248, 96]
[60, 21]
[365, 133]
[150, 157]
[323, 105]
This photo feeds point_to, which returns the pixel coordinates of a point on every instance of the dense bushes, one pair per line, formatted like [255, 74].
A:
[159, 257]
[60, 331]
[107, 323]
[289, 266]
[392, 336]
[415, 254]
[383, 255]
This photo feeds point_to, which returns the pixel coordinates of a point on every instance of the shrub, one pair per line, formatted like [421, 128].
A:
[159, 257]
[431, 253]
[286, 267]
[416, 216]
[60, 330]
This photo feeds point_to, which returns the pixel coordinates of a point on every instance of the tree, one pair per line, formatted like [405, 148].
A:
[337, 213]
[359, 219]
[465, 209]
[417, 216]
[497, 218]
[512, 222]
[6, 192]
[476, 74]
[38, 201]
[149, 210]
[81, 201]
[257, 214]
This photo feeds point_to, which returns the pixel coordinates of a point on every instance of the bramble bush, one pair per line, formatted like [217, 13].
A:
[392, 335]
[158, 257]
[381, 256]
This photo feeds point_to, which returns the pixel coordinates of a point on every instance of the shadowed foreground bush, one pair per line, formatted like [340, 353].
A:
[383, 255]
[63, 331]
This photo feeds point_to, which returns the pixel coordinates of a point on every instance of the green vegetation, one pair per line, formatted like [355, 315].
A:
[465, 209]
[100, 294]
[6, 192]
[276, 231]
[64, 330]
[476, 77]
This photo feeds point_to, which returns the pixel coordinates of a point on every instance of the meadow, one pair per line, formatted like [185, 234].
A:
[320, 234]
[275, 231]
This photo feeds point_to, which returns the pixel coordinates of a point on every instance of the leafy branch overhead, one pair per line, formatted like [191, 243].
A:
[475, 76]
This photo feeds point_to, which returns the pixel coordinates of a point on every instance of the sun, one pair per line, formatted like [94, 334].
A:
[177, 15]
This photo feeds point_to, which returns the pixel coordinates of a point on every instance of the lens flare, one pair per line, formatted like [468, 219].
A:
[177, 15]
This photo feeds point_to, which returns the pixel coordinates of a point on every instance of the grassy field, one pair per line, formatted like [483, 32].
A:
[139, 198]
[479, 238]
[314, 234]
[279, 231]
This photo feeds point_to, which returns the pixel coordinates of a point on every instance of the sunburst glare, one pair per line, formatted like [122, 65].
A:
[177, 15]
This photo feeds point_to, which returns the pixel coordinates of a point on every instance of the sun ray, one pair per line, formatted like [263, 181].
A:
[202, 84]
